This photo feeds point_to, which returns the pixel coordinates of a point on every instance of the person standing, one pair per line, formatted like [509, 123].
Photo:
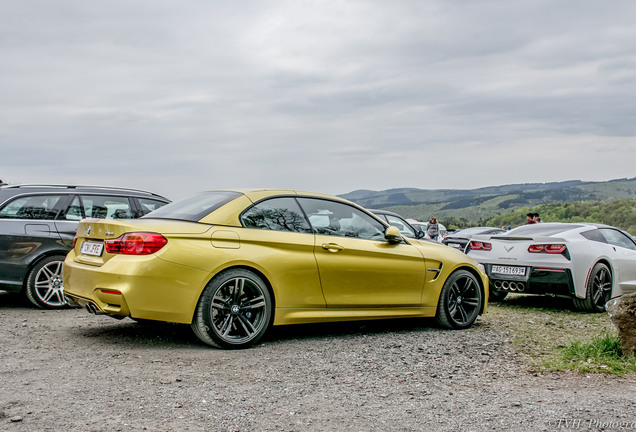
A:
[530, 218]
[536, 218]
[432, 229]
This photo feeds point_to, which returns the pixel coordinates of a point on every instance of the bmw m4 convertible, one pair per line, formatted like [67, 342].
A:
[233, 263]
[590, 263]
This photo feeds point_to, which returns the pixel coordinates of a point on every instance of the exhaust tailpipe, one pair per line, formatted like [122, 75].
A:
[521, 287]
[92, 309]
[497, 284]
[513, 286]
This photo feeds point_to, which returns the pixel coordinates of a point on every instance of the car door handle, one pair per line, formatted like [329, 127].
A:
[332, 247]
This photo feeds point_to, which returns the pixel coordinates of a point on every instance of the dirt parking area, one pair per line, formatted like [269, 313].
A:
[71, 371]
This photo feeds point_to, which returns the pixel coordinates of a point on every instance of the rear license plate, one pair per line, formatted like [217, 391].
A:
[92, 248]
[508, 270]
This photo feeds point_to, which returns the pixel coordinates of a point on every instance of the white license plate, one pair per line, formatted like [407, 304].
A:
[92, 248]
[508, 270]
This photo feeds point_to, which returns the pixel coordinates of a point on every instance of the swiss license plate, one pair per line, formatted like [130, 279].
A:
[92, 248]
[509, 270]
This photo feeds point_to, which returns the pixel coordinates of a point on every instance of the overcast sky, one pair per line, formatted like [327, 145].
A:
[329, 96]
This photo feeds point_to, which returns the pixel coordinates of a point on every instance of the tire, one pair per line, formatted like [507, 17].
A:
[460, 302]
[496, 296]
[598, 291]
[44, 287]
[234, 311]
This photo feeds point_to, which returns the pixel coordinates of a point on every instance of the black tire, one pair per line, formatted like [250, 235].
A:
[598, 291]
[496, 295]
[234, 311]
[44, 287]
[460, 302]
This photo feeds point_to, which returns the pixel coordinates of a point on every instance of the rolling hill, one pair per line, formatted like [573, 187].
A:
[474, 205]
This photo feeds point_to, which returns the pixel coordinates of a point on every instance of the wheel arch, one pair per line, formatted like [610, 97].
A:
[608, 263]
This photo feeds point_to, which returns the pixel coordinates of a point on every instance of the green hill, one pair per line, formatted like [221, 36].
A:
[472, 206]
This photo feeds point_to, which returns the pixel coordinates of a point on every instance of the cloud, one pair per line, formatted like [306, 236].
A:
[328, 96]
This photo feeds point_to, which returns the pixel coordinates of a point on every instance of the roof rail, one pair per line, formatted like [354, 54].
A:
[81, 187]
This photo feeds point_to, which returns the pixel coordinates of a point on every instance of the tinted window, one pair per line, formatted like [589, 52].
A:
[31, 207]
[148, 205]
[594, 235]
[338, 219]
[106, 207]
[278, 214]
[194, 208]
[617, 238]
[74, 211]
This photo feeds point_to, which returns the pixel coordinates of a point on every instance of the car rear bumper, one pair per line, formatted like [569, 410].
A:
[148, 289]
[537, 280]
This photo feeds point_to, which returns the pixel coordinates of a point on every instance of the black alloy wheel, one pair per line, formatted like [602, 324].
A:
[599, 290]
[234, 311]
[460, 301]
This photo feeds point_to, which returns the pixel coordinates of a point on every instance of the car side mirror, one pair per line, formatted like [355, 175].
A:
[393, 235]
[420, 234]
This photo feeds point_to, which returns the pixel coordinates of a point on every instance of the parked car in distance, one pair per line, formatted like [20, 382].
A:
[590, 263]
[459, 239]
[421, 227]
[233, 263]
[399, 222]
[37, 227]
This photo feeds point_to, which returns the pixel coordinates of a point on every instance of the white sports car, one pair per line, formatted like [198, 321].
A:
[590, 263]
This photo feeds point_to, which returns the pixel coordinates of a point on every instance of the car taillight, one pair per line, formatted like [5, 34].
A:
[74, 241]
[475, 245]
[547, 248]
[140, 243]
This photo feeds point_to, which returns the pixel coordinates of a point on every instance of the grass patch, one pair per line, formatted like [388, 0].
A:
[550, 335]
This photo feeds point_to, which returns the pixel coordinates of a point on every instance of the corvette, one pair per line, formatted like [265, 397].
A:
[233, 263]
[590, 263]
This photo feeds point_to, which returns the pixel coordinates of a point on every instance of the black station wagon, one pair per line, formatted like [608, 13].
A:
[37, 228]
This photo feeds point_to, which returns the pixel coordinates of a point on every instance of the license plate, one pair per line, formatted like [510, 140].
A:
[508, 270]
[92, 248]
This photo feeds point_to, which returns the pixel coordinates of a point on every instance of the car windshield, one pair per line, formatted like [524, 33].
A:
[542, 229]
[194, 208]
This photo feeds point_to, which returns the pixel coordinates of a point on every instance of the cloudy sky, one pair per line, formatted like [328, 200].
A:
[330, 96]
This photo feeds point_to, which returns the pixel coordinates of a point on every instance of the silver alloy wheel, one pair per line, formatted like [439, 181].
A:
[602, 288]
[45, 285]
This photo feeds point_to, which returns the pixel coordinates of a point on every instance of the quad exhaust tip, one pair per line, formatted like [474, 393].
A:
[92, 309]
[510, 286]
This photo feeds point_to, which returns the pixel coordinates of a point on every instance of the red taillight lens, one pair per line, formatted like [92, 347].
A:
[74, 241]
[475, 245]
[548, 248]
[136, 244]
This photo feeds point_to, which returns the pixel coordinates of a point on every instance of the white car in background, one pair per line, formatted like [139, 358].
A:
[589, 263]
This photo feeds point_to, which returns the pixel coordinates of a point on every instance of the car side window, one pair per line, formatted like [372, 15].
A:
[617, 238]
[31, 207]
[277, 214]
[401, 225]
[148, 205]
[74, 211]
[106, 207]
[342, 220]
[594, 235]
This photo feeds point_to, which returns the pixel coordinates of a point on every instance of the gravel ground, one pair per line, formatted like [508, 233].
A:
[71, 371]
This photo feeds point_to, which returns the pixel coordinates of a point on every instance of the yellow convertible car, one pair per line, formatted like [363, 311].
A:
[233, 263]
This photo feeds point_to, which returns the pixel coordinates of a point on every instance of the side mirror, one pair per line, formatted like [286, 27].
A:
[393, 235]
[420, 234]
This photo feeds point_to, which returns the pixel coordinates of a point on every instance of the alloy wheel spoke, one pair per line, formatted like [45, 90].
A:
[239, 284]
[246, 324]
[254, 303]
[220, 304]
[463, 314]
[226, 325]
